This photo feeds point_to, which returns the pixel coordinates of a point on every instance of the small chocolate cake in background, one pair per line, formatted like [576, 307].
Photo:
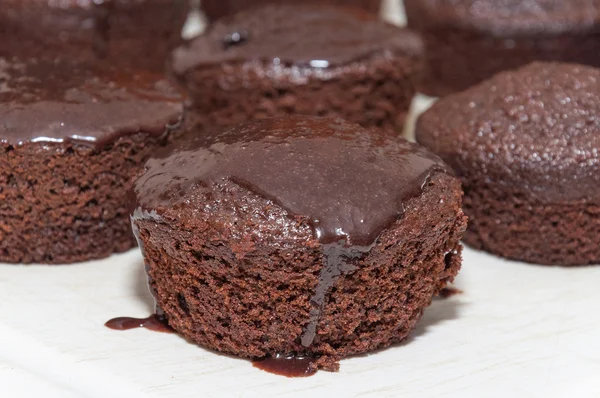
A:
[297, 236]
[468, 41]
[215, 9]
[527, 146]
[137, 33]
[71, 138]
[283, 59]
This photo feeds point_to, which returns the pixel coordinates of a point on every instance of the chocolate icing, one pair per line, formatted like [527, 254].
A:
[139, 214]
[287, 365]
[348, 183]
[307, 35]
[534, 130]
[153, 322]
[449, 291]
[513, 17]
[51, 100]
[338, 261]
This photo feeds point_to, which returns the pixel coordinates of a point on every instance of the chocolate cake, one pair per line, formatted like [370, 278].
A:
[215, 9]
[526, 144]
[71, 138]
[283, 59]
[468, 41]
[297, 236]
[137, 33]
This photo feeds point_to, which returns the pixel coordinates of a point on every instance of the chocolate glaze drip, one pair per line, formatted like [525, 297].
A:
[338, 261]
[52, 100]
[158, 321]
[139, 214]
[153, 322]
[311, 35]
[287, 365]
[449, 292]
[347, 183]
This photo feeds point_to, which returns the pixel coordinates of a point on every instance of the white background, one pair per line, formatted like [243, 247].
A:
[518, 330]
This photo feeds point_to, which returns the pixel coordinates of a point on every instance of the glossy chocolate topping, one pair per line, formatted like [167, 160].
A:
[535, 130]
[47, 100]
[307, 35]
[449, 291]
[514, 16]
[153, 322]
[349, 182]
[287, 365]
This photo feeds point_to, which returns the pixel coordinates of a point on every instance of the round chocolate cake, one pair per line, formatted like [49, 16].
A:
[297, 236]
[137, 33]
[215, 9]
[527, 146]
[277, 60]
[468, 41]
[71, 138]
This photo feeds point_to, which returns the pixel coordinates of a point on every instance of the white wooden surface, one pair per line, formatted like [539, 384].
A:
[518, 330]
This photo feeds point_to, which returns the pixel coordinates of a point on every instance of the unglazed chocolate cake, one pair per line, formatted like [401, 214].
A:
[72, 136]
[526, 144]
[468, 41]
[136, 33]
[299, 59]
[297, 237]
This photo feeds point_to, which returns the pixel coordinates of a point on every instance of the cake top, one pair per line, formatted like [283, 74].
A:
[539, 126]
[349, 182]
[306, 35]
[51, 100]
[514, 17]
[72, 4]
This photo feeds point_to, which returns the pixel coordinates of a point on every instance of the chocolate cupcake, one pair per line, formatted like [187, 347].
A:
[468, 41]
[282, 59]
[137, 33]
[71, 139]
[215, 9]
[297, 236]
[526, 144]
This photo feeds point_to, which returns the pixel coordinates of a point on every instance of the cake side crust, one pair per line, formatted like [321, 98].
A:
[65, 203]
[375, 92]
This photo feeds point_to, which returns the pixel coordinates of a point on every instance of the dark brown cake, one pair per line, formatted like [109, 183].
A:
[297, 235]
[280, 60]
[468, 41]
[71, 138]
[215, 9]
[136, 33]
[527, 147]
